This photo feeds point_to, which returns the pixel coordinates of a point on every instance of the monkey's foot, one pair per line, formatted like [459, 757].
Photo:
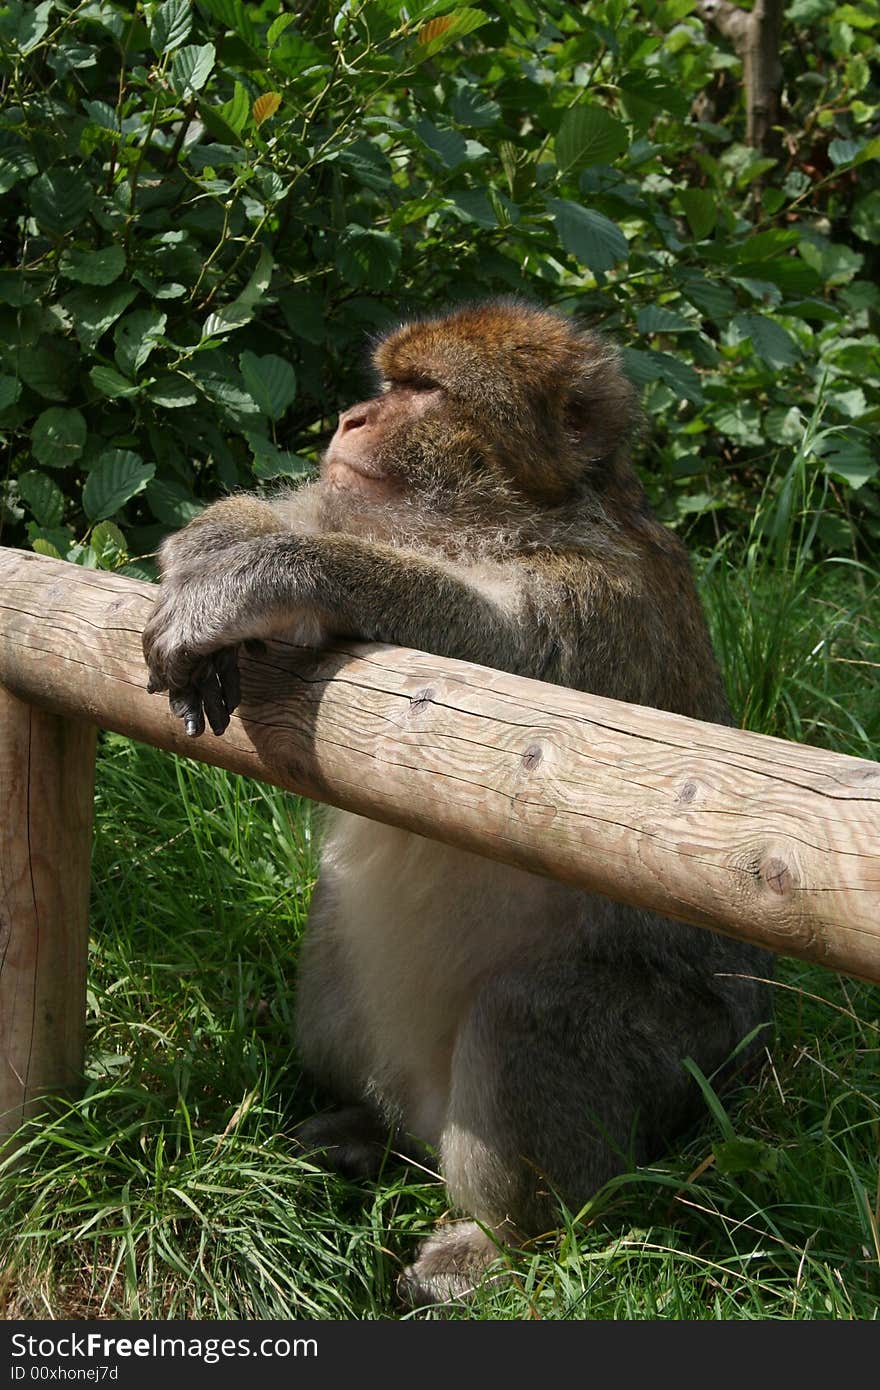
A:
[451, 1265]
[352, 1141]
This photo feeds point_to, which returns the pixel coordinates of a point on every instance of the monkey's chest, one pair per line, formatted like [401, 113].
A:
[421, 926]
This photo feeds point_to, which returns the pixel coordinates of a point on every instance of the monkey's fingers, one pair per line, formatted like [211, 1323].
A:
[208, 688]
[187, 705]
[226, 666]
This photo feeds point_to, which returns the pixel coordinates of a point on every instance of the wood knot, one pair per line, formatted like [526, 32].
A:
[533, 755]
[687, 791]
[421, 700]
[778, 875]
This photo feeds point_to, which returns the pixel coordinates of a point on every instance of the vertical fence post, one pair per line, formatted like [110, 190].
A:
[47, 778]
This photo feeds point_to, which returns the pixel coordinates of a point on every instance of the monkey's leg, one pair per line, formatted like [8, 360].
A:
[331, 1042]
[563, 1075]
[352, 1141]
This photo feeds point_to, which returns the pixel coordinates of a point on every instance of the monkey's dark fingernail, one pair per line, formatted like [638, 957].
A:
[194, 726]
[215, 709]
[230, 682]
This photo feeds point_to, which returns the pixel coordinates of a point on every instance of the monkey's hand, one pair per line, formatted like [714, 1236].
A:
[206, 610]
[191, 649]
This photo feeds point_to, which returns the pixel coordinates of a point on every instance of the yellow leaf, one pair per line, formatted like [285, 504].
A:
[266, 106]
[434, 28]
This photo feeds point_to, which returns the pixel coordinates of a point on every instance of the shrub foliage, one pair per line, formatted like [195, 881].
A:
[209, 207]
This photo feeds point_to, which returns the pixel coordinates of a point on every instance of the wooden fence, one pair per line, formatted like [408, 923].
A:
[772, 842]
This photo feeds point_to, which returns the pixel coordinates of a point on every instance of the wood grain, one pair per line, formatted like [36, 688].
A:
[47, 773]
[772, 842]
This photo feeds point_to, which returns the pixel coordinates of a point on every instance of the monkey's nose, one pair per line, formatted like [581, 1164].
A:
[352, 419]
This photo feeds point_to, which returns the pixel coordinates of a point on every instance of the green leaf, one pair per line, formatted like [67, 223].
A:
[118, 476]
[136, 336]
[304, 315]
[294, 56]
[170, 25]
[701, 210]
[235, 400]
[48, 370]
[643, 96]
[43, 496]
[519, 169]
[171, 503]
[10, 390]
[241, 310]
[642, 367]
[271, 462]
[110, 383]
[832, 261]
[475, 108]
[140, 569]
[770, 341]
[104, 115]
[846, 457]
[83, 555]
[590, 237]
[32, 21]
[94, 267]
[220, 129]
[58, 437]
[654, 318]
[739, 1155]
[108, 544]
[844, 151]
[277, 28]
[439, 33]
[60, 200]
[475, 205]
[588, 135]
[233, 15]
[740, 421]
[270, 381]
[94, 310]
[60, 538]
[368, 164]
[43, 547]
[784, 424]
[191, 67]
[236, 111]
[870, 150]
[172, 392]
[15, 164]
[865, 220]
[448, 145]
[367, 257]
[716, 302]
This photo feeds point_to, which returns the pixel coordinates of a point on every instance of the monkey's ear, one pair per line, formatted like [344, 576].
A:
[601, 408]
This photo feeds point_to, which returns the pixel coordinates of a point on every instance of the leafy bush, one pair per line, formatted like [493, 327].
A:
[210, 207]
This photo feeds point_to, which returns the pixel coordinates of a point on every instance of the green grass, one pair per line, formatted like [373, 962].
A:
[172, 1188]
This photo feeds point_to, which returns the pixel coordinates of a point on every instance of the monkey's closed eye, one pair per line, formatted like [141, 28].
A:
[413, 383]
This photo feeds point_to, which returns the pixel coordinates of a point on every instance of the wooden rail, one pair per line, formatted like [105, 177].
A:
[772, 842]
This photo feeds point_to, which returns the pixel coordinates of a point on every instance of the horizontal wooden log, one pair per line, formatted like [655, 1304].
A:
[772, 842]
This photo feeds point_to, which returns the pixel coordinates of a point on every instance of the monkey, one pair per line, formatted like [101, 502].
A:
[482, 505]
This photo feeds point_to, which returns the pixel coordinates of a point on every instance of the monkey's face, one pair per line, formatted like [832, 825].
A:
[374, 448]
[499, 406]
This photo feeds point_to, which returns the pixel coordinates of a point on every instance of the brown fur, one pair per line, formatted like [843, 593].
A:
[483, 507]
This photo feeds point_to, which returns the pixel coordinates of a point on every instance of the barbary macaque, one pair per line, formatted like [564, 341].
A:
[482, 506]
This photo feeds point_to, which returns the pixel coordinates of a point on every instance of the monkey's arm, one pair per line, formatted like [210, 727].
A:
[278, 583]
